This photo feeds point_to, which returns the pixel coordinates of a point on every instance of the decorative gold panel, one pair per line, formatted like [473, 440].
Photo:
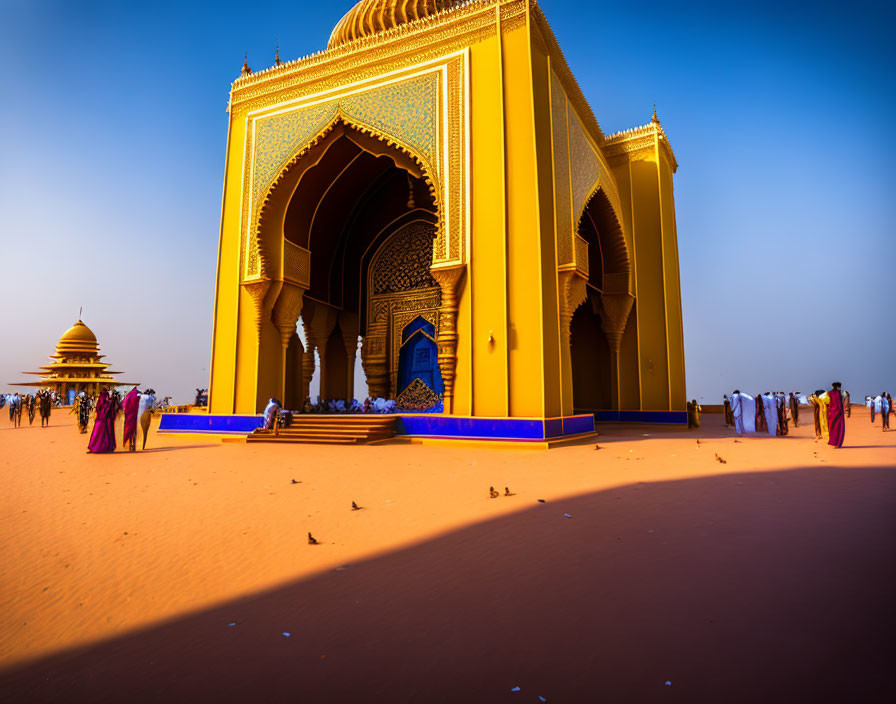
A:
[296, 264]
[563, 206]
[404, 260]
[581, 250]
[423, 113]
[589, 172]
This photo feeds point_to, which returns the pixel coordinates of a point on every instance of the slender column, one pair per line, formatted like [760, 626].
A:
[308, 367]
[349, 325]
[319, 325]
[449, 281]
[286, 314]
[615, 309]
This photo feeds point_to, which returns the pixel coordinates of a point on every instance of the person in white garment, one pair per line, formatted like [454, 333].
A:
[770, 408]
[144, 412]
[747, 406]
[737, 411]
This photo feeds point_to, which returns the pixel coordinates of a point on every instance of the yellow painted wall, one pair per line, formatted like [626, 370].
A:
[651, 303]
[551, 332]
[227, 293]
[525, 285]
[486, 290]
[673, 290]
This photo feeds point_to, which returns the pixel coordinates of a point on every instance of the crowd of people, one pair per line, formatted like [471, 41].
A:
[135, 407]
[42, 403]
[773, 412]
[881, 406]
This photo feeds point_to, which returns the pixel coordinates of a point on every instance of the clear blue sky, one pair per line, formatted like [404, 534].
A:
[112, 136]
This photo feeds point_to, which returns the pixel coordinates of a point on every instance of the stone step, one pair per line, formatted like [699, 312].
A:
[334, 430]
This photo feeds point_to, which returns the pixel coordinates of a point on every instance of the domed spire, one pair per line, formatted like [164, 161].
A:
[246, 70]
[654, 120]
[374, 16]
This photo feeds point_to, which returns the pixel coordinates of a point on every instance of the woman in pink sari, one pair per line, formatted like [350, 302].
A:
[836, 417]
[103, 437]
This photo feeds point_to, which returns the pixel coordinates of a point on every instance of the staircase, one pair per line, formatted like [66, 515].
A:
[331, 430]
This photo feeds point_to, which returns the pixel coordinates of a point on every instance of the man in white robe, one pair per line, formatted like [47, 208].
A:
[743, 407]
[770, 408]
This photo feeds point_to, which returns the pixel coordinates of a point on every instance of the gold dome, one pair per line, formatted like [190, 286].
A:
[373, 16]
[78, 339]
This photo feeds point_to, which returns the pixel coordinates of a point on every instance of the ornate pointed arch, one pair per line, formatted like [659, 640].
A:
[615, 255]
[286, 182]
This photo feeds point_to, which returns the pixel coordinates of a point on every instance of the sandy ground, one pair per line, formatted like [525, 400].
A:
[173, 575]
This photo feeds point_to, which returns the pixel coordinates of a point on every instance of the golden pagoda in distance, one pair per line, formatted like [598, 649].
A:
[76, 366]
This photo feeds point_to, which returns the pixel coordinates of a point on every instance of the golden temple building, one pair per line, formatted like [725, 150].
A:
[435, 185]
[77, 366]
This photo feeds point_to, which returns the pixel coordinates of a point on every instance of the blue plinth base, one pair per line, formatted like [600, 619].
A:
[413, 425]
[513, 429]
[667, 417]
[218, 425]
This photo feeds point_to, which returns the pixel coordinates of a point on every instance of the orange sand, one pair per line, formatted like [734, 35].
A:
[769, 578]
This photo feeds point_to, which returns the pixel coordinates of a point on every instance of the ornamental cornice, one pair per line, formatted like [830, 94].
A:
[640, 139]
[407, 44]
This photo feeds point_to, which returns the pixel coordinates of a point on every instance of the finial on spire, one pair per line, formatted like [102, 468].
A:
[80, 312]
[246, 70]
[277, 61]
[655, 120]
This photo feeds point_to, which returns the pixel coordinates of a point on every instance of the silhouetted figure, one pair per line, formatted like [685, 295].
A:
[507, 492]
[355, 507]
[312, 540]
[494, 494]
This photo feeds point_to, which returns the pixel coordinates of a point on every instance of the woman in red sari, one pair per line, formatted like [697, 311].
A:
[103, 437]
[836, 417]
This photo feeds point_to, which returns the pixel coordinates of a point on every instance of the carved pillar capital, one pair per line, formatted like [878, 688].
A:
[449, 280]
[573, 293]
[259, 290]
[615, 309]
[287, 310]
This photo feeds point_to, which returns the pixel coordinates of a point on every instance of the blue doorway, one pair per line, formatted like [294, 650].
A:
[419, 357]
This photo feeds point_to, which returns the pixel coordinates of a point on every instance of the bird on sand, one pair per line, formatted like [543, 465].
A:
[508, 492]
[295, 482]
[355, 507]
[494, 494]
[312, 540]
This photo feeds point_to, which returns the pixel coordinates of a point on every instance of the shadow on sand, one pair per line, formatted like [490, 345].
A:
[766, 587]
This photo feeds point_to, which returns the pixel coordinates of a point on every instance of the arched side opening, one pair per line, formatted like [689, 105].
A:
[592, 368]
[597, 326]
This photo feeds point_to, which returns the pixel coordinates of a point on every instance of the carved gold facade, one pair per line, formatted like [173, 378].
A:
[438, 162]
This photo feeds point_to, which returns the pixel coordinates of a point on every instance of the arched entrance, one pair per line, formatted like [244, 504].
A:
[356, 219]
[597, 326]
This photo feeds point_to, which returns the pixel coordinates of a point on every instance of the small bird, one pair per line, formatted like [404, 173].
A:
[698, 443]
[507, 492]
[312, 540]
[598, 447]
[494, 494]
[295, 482]
[355, 507]
[720, 460]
